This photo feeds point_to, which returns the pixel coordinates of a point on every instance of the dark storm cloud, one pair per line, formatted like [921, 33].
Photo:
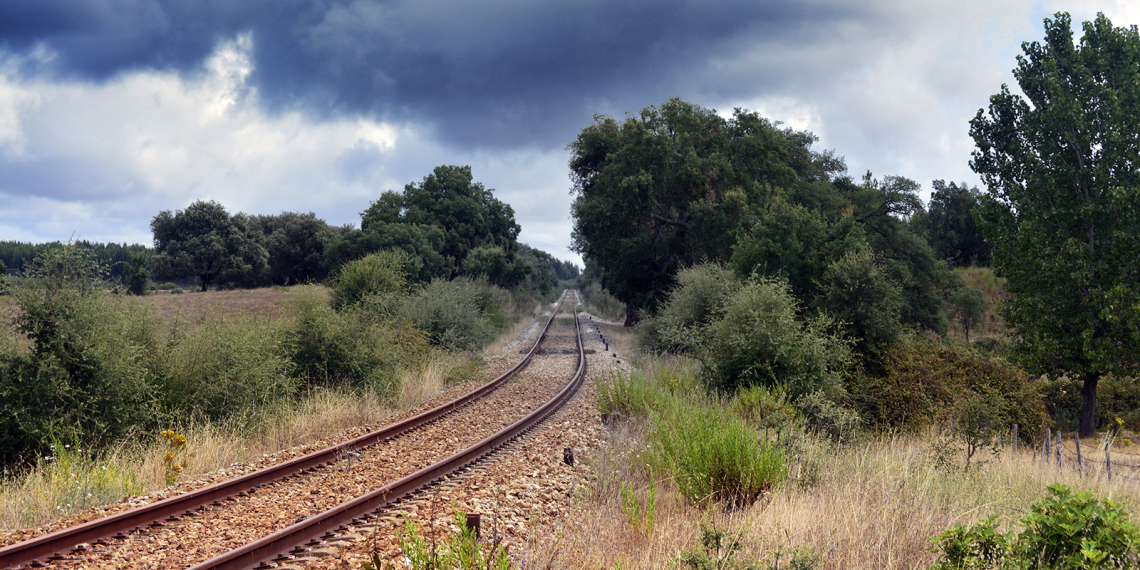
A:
[512, 73]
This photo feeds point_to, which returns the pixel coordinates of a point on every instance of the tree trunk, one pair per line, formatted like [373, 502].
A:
[1088, 409]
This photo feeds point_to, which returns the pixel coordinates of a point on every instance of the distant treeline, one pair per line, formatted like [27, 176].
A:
[448, 225]
[14, 254]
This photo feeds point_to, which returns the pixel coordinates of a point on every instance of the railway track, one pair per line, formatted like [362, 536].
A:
[268, 517]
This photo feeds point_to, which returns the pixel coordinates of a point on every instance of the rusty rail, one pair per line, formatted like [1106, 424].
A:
[66, 540]
[278, 546]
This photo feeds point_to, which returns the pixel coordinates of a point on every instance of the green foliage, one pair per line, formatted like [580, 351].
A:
[493, 264]
[1117, 397]
[757, 338]
[227, 369]
[860, 294]
[697, 295]
[460, 551]
[765, 407]
[420, 242]
[1061, 201]
[295, 244]
[824, 416]
[1065, 530]
[979, 547]
[796, 243]
[713, 455]
[138, 274]
[115, 257]
[348, 349]
[949, 227]
[457, 315]
[968, 306]
[919, 377]
[665, 189]
[978, 421]
[84, 377]
[382, 273]
[639, 515]
[205, 242]
[717, 550]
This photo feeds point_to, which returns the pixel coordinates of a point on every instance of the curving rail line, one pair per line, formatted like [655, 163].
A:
[278, 545]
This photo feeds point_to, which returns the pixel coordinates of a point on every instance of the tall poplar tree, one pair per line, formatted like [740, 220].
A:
[1062, 208]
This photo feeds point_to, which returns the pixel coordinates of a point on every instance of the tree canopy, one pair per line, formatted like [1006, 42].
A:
[1062, 205]
[948, 225]
[452, 226]
[678, 185]
[206, 242]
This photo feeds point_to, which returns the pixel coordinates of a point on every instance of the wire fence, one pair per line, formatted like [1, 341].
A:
[1066, 453]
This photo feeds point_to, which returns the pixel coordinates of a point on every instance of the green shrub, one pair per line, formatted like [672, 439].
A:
[713, 455]
[1065, 530]
[227, 369]
[457, 315]
[1116, 397]
[859, 293]
[137, 274]
[757, 338]
[167, 286]
[598, 301]
[459, 551]
[84, 374]
[697, 295]
[919, 377]
[765, 407]
[827, 418]
[382, 273]
[330, 348]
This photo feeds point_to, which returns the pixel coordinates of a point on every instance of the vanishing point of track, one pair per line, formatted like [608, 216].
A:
[281, 512]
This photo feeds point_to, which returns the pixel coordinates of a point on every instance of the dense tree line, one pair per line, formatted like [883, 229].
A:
[448, 225]
[14, 255]
[679, 184]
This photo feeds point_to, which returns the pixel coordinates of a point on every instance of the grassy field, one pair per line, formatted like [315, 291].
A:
[195, 306]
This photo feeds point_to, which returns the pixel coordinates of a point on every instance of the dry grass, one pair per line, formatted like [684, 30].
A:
[874, 504]
[870, 504]
[196, 306]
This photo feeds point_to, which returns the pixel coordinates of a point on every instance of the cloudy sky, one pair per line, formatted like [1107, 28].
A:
[113, 110]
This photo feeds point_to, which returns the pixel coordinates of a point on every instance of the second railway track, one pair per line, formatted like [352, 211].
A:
[207, 535]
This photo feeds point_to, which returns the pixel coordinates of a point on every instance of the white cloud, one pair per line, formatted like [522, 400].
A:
[147, 141]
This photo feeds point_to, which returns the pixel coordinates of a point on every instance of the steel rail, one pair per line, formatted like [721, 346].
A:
[68, 539]
[278, 547]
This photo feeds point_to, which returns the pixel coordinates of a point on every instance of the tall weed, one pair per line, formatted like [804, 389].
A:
[713, 456]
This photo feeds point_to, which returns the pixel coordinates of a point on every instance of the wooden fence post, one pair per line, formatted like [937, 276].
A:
[1108, 457]
[1080, 464]
[1015, 440]
[1045, 446]
[1058, 450]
